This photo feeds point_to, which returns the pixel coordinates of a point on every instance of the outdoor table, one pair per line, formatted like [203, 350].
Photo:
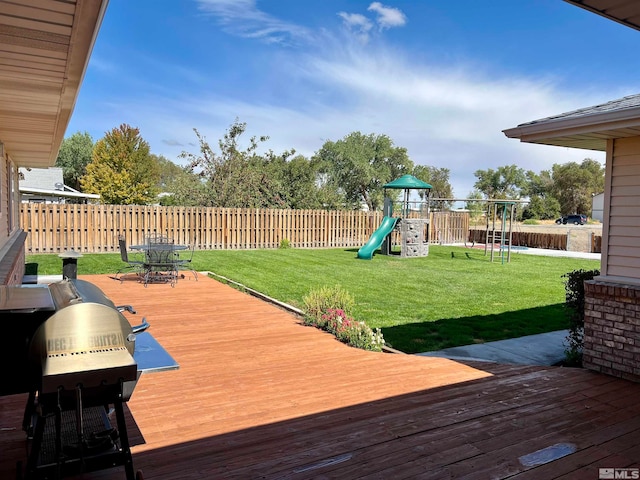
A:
[145, 247]
[160, 261]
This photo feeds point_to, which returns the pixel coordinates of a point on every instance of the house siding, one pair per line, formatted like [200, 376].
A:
[623, 235]
[612, 300]
[12, 255]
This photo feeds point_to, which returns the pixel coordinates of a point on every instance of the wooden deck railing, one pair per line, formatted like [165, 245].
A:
[54, 228]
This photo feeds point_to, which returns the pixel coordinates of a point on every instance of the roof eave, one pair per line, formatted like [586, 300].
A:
[628, 20]
[83, 41]
[589, 132]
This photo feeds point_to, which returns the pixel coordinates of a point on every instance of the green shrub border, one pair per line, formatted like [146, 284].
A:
[574, 307]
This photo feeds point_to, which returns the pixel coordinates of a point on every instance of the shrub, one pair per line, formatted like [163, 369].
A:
[318, 302]
[284, 243]
[531, 221]
[326, 309]
[349, 331]
[574, 307]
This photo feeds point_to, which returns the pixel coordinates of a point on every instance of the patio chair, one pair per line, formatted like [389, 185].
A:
[160, 264]
[185, 263]
[136, 265]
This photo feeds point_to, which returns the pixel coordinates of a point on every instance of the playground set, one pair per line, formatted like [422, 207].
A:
[413, 223]
[414, 232]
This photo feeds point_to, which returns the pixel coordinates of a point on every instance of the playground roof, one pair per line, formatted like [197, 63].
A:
[408, 182]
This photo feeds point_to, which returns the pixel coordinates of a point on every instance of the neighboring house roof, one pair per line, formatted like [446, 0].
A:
[66, 192]
[587, 128]
[46, 47]
[48, 182]
[626, 12]
[40, 177]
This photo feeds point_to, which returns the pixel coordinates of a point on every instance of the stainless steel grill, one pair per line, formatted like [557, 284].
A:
[86, 344]
[73, 349]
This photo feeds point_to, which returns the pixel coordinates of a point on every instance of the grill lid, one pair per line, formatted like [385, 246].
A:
[86, 343]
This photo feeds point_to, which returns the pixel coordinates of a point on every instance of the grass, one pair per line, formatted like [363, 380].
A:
[455, 296]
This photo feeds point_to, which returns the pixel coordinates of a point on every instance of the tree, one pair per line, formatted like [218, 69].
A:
[504, 183]
[359, 165]
[438, 178]
[299, 179]
[574, 185]
[542, 203]
[542, 208]
[239, 178]
[177, 185]
[73, 157]
[475, 205]
[122, 171]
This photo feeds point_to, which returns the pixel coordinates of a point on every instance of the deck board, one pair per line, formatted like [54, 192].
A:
[258, 395]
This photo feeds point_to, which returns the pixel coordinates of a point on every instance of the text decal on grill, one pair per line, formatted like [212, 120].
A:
[76, 344]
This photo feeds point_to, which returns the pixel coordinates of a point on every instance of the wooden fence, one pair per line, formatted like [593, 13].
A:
[54, 228]
[526, 239]
[580, 242]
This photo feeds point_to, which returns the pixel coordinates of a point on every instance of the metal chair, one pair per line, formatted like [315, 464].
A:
[160, 264]
[184, 263]
[136, 265]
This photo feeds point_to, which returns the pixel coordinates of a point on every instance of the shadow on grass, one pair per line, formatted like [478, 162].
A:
[453, 332]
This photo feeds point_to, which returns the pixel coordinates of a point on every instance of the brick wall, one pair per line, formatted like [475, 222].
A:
[612, 329]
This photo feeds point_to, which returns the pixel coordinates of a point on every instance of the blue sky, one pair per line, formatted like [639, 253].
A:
[441, 78]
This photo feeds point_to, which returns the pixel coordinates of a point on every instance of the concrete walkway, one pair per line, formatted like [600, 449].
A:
[541, 349]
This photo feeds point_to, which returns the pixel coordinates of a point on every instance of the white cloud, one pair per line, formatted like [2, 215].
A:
[445, 118]
[388, 16]
[357, 23]
[245, 19]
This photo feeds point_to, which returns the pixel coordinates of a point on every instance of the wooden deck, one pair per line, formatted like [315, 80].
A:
[258, 395]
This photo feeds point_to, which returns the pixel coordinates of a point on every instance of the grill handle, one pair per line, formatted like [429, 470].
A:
[140, 328]
[128, 308]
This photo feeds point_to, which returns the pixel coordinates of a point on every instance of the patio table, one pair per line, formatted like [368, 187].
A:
[160, 265]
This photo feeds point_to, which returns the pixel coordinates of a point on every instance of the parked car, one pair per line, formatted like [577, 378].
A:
[575, 219]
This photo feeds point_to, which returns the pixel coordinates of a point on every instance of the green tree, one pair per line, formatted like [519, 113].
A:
[299, 179]
[438, 178]
[177, 185]
[476, 206]
[122, 171]
[542, 208]
[239, 178]
[505, 182]
[359, 165]
[543, 205]
[575, 183]
[73, 157]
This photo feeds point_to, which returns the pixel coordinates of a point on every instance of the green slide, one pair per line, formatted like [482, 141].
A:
[376, 239]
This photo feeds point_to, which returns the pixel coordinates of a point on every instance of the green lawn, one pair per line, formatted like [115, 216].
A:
[420, 304]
